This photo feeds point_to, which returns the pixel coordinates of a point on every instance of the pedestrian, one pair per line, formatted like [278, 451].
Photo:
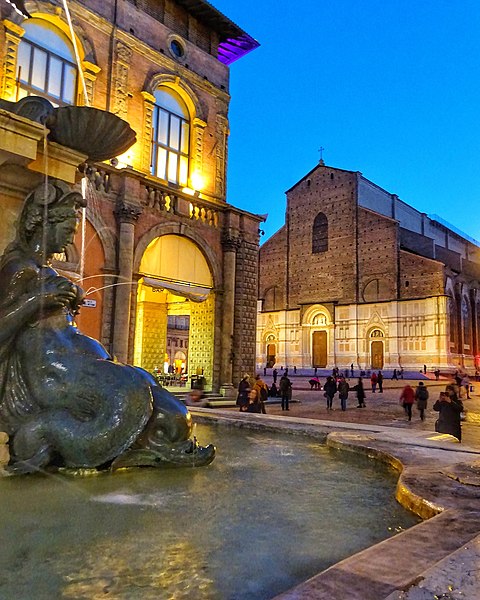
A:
[243, 389]
[330, 389]
[373, 381]
[315, 371]
[401, 373]
[286, 391]
[343, 389]
[275, 375]
[351, 370]
[272, 392]
[465, 383]
[286, 372]
[424, 369]
[437, 374]
[407, 398]
[450, 408]
[380, 382]
[395, 376]
[294, 369]
[360, 393]
[264, 371]
[421, 397]
[314, 383]
[262, 388]
[254, 404]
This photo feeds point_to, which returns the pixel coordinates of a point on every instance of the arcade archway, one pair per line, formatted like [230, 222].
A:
[175, 309]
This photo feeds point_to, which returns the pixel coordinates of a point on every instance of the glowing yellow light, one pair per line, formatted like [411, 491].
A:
[189, 191]
[197, 181]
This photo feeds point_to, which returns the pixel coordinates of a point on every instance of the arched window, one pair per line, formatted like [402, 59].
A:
[170, 137]
[46, 63]
[320, 234]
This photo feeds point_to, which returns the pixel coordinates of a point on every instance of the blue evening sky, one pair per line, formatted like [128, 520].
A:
[388, 87]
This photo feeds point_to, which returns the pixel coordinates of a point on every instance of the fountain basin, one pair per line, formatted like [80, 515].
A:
[256, 522]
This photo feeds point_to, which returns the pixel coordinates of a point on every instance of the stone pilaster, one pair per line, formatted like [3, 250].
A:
[221, 134]
[230, 245]
[198, 129]
[127, 215]
[148, 105]
[13, 35]
[123, 56]
[90, 72]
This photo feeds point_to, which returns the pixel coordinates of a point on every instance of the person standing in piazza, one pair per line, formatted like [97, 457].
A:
[380, 382]
[450, 408]
[343, 389]
[360, 393]
[286, 391]
[330, 389]
[373, 381]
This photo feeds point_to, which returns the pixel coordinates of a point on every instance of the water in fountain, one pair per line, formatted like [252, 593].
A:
[271, 511]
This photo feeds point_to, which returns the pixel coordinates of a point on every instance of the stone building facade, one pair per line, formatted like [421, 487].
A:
[160, 238]
[358, 276]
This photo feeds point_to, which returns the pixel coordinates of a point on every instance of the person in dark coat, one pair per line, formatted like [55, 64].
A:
[243, 389]
[421, 397]
[286, 391]
[330, 389]
[360, 393]
[343, 389]
[380, 382]
[450, 407]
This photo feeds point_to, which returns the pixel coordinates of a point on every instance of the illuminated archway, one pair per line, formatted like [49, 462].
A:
[175, 307]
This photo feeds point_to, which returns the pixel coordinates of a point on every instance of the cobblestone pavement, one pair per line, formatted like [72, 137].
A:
[381, 409]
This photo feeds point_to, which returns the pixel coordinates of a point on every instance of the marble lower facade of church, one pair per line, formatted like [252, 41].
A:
[384, 335]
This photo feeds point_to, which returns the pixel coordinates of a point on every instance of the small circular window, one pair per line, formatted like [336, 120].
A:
[177, 49]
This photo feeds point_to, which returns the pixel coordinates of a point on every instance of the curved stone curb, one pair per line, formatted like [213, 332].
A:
[428, 485]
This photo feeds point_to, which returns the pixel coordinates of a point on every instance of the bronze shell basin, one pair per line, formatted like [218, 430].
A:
[97, 133]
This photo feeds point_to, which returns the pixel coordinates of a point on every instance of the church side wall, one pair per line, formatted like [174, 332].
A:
[272, 279]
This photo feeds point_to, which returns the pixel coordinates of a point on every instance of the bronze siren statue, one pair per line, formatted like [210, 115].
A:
[64, 401]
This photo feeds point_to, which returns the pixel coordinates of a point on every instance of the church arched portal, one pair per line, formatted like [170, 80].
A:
[175, 308]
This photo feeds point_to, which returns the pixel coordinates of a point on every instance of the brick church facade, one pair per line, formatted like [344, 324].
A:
[163, 244]
[358, 276]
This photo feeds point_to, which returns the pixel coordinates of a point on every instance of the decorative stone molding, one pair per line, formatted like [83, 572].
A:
[13, 35]
[230, 243]
[90, 72]
[221, 133]
[148, 104]
[198, 130]
[127, 213]
[123, 56]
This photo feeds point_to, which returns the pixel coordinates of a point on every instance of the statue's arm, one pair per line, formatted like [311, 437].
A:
[24, 295]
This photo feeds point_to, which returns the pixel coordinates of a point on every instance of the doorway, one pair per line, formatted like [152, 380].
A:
[376, 351]
[319, 349]
[271, 355]
[175, 309]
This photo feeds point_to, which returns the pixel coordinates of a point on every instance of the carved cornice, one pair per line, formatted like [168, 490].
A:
[127, 213]
[230, 243]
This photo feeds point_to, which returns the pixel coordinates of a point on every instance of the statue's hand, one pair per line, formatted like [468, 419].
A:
[57, 292]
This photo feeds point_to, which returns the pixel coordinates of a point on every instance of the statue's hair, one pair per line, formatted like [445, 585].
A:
[52, 202]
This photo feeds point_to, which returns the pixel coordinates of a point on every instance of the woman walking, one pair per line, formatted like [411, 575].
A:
[407, 399]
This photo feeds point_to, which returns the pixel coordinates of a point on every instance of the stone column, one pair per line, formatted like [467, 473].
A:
[229, 259]
[127, 215]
